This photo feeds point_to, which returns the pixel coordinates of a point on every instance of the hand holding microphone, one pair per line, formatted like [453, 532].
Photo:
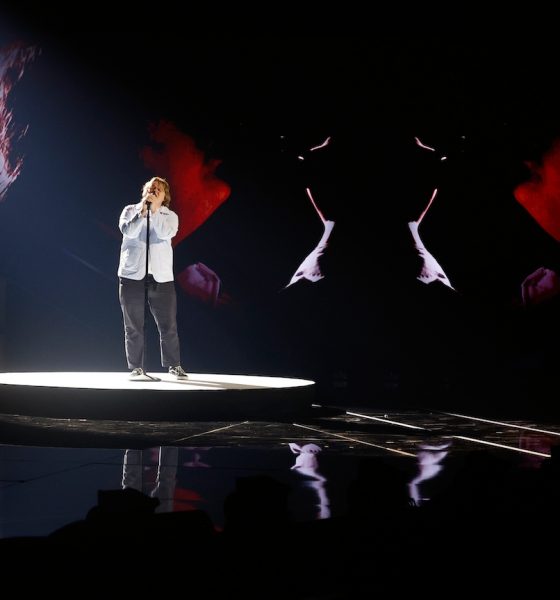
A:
[147, 202]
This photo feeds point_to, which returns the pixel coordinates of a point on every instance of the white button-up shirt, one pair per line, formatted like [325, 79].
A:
[164, 224]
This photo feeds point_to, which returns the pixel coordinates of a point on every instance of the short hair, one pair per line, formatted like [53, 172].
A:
[167, 198]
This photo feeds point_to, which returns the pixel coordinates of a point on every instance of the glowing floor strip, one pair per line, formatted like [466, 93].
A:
[188, 437]
[468, 439]
[344, 437]
[503, 423]
[384, 420]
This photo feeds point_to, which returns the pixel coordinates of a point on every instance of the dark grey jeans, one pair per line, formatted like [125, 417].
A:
[162, 301]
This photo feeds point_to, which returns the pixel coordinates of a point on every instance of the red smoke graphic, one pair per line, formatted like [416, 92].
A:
[540, 196]
[196, 191]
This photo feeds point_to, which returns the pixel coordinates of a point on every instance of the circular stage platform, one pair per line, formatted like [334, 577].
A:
[87, 395]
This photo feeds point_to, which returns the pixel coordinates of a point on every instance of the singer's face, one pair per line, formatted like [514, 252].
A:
[156, 188]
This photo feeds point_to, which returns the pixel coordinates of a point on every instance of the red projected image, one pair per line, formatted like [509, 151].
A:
[198, 191]
[540, 196]
[13, 61]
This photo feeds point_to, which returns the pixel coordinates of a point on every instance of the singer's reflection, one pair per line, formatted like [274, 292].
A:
[156, 472]
[166, 478]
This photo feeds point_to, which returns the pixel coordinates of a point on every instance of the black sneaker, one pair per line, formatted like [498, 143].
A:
[136, 373]
[178, 372]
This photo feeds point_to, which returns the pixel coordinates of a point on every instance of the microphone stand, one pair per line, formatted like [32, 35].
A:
[146, 302]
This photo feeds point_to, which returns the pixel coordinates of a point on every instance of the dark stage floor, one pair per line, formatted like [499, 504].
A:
[366, 500]
[52, 469]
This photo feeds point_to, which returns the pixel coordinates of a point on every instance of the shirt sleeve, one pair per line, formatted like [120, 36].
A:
[165, 224]
[130, 222]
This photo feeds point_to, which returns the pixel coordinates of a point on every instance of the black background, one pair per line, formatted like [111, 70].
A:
[369, 329]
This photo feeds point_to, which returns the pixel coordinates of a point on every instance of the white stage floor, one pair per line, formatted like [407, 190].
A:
[112, 395]
[120, 381]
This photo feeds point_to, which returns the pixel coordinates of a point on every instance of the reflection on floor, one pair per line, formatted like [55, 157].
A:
[328, 466]
[55, 477]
